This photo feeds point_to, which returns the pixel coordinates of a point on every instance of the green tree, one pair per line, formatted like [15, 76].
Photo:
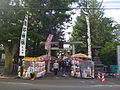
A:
[101, 27]
[10, 27]
[109, 54]
[45, 17]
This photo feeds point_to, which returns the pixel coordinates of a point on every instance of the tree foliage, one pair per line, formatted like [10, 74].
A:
[45, 17]
[108, 53]
[102, 29]
[10, 27]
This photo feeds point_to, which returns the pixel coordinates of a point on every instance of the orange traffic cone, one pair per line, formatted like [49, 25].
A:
[98, 75]
[103, 78]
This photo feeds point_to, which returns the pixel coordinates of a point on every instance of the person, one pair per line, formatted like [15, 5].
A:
[55, 67]
[63, 66]
[68, 66]
[31, 71]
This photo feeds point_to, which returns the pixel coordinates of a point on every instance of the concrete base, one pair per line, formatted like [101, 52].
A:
[118, 71]
[98, 68]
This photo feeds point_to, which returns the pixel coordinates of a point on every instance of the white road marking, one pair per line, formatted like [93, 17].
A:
[15, 83]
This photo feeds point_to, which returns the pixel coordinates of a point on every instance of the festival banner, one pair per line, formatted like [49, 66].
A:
[23, 37]
[48, 42]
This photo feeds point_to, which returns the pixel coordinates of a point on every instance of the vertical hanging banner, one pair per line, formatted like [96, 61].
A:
[48, 42]
[23, 37]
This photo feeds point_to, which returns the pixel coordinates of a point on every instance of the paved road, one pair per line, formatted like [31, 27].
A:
[57, 86]
[59, 83]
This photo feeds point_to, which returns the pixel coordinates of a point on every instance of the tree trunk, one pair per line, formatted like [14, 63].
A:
[9, 56]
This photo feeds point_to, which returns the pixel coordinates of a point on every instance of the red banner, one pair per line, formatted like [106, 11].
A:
[48, 42]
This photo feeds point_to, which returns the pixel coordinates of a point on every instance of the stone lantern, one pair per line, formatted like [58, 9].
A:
[99, 67]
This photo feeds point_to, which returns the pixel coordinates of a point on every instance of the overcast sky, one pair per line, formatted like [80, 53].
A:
[110, 11]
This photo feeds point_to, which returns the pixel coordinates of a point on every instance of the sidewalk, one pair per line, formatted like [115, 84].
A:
[7, 77]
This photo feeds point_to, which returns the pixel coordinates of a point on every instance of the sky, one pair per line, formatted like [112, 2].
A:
[113, 13]
[110, 12]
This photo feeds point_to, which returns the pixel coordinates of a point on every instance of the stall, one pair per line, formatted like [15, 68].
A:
[48, 61]
[82, 67]
[32, 66]
[87, 68]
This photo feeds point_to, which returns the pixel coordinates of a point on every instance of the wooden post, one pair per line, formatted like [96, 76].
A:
[48, 66]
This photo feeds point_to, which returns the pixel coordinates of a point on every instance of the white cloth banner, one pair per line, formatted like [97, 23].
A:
[23, 37]
[48, 42]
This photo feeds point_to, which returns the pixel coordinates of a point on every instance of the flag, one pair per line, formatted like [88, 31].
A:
[23, 37]
[48, 42]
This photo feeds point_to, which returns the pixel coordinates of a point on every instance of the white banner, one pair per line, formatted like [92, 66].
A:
[23, 37]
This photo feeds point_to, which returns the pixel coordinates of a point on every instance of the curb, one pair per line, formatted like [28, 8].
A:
[5, 77]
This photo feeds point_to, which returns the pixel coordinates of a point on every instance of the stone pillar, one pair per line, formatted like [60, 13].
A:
[73, 49]
[0, 58]
[118, 58]
[97, 63]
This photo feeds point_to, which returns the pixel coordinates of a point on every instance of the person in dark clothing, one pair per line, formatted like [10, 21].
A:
[67, 66]
[63, 66]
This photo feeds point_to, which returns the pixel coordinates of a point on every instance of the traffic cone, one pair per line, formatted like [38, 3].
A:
[103, 78]
[98, 75]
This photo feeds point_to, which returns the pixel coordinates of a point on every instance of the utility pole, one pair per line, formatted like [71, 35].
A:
[88, 29]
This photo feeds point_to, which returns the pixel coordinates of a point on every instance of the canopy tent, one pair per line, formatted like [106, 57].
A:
[80, 60]
[80, 55]
[67, 55]
[77, 58]
[32, 59]
[46, 58]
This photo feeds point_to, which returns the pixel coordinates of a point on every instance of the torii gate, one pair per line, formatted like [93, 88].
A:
[56, 48]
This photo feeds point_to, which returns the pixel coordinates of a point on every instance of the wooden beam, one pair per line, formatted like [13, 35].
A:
[64, 42]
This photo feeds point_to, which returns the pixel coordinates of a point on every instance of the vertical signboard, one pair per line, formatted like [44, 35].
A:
[23, 37]
[118, 57]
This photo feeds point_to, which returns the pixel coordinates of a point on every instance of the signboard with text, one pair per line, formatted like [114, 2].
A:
[23, 37]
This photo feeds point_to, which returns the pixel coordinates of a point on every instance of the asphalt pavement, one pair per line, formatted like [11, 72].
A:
[51, 82]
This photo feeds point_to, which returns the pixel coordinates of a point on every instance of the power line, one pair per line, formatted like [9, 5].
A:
[56, 8]
[115, 2]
